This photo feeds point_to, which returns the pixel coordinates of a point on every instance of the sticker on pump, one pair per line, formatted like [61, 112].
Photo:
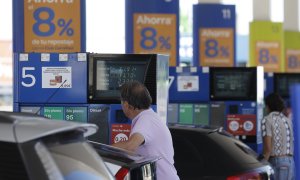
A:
[233, 125]
[248, 126]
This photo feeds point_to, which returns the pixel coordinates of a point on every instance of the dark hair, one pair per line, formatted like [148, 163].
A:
[136, 94]
[275, 102]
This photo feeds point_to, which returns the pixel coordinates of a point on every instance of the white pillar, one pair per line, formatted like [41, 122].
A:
[291, 15]
[210, 1]
[262, 10]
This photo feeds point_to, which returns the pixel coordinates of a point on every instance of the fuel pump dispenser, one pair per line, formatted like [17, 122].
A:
[84, 87]
[236, 96]
[189, 96]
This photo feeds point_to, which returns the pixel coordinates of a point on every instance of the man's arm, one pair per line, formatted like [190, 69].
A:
[267, 143]
[135, 140]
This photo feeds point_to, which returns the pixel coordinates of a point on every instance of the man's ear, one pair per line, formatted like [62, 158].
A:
[130, 107]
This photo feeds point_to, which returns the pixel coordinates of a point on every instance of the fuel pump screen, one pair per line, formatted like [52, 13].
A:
[110, 75]
[233, 85]
[283, 82]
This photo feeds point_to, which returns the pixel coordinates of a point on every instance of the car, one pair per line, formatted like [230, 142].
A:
[213, 154]
[126, 165]
[34, 148]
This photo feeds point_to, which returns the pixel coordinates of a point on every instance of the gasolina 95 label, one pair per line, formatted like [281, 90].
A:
[155, 33]
[52, 25]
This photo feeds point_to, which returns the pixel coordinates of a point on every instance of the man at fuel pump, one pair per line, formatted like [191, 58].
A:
[149, 135]
[278, 144]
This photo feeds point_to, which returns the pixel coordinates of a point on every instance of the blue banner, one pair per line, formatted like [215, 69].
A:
[152, 27]
[214, 35]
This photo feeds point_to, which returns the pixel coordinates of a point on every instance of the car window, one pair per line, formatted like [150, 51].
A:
[76, 158]
[11, 163]
[200, 154]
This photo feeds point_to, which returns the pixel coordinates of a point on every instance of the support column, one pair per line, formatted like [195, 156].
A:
[262, 10]
[291, 15]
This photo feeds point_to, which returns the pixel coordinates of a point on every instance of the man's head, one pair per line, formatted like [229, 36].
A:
[274, 102]
[135, 97]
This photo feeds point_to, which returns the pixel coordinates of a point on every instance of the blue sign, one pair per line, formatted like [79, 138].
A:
[152, 27]
[51, 78]
[214, 35]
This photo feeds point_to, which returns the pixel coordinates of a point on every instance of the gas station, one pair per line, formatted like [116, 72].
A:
[54, 76]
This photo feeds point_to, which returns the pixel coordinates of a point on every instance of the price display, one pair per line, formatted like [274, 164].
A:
[52, 26]
[292, 60]
[268, 54]
[78, 114]
[54, 112]
[216, 47]
[155, 33]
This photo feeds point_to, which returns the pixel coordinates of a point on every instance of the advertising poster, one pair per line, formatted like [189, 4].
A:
[216, 47]
[52, 26]
[292, 51]
[266, 46]
[155, 33]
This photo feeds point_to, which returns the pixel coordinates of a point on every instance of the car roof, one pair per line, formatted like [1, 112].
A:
[28, 127]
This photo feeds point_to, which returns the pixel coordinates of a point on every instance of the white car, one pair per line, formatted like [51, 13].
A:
[35, 148]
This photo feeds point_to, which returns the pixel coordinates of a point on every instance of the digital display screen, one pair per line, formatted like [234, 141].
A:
[283, 82]
[233, 84]
[110, 75]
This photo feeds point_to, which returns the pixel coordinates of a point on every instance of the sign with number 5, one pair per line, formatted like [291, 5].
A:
[28, 80]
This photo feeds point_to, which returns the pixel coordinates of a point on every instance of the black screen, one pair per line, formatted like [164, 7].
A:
[111, 74]
[283, 81]
[232, 84]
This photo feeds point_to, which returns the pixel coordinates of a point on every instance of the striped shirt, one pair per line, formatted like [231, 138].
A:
[279, 128]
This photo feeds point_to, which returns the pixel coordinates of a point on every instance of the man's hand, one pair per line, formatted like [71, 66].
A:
[134, 141]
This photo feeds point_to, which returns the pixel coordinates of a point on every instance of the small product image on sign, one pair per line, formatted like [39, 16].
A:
[56, 77]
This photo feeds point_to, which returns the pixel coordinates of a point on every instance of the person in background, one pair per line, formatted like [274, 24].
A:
[278, 140]
[149, 135]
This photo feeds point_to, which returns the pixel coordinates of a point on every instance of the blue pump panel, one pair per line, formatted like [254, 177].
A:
[189, 84]
[295, 101]
[51, 78]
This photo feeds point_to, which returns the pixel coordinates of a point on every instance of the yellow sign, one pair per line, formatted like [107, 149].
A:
[216, 47]
[267, 54]
[52, 26]
[292, 59]
[155, 33]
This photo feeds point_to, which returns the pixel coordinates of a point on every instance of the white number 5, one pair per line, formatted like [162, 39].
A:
[24, 75]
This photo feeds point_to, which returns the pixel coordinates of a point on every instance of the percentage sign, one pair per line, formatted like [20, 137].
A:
[164, 42]
[224, 51]
[65, 27]
[292, 61]
[274, 59]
